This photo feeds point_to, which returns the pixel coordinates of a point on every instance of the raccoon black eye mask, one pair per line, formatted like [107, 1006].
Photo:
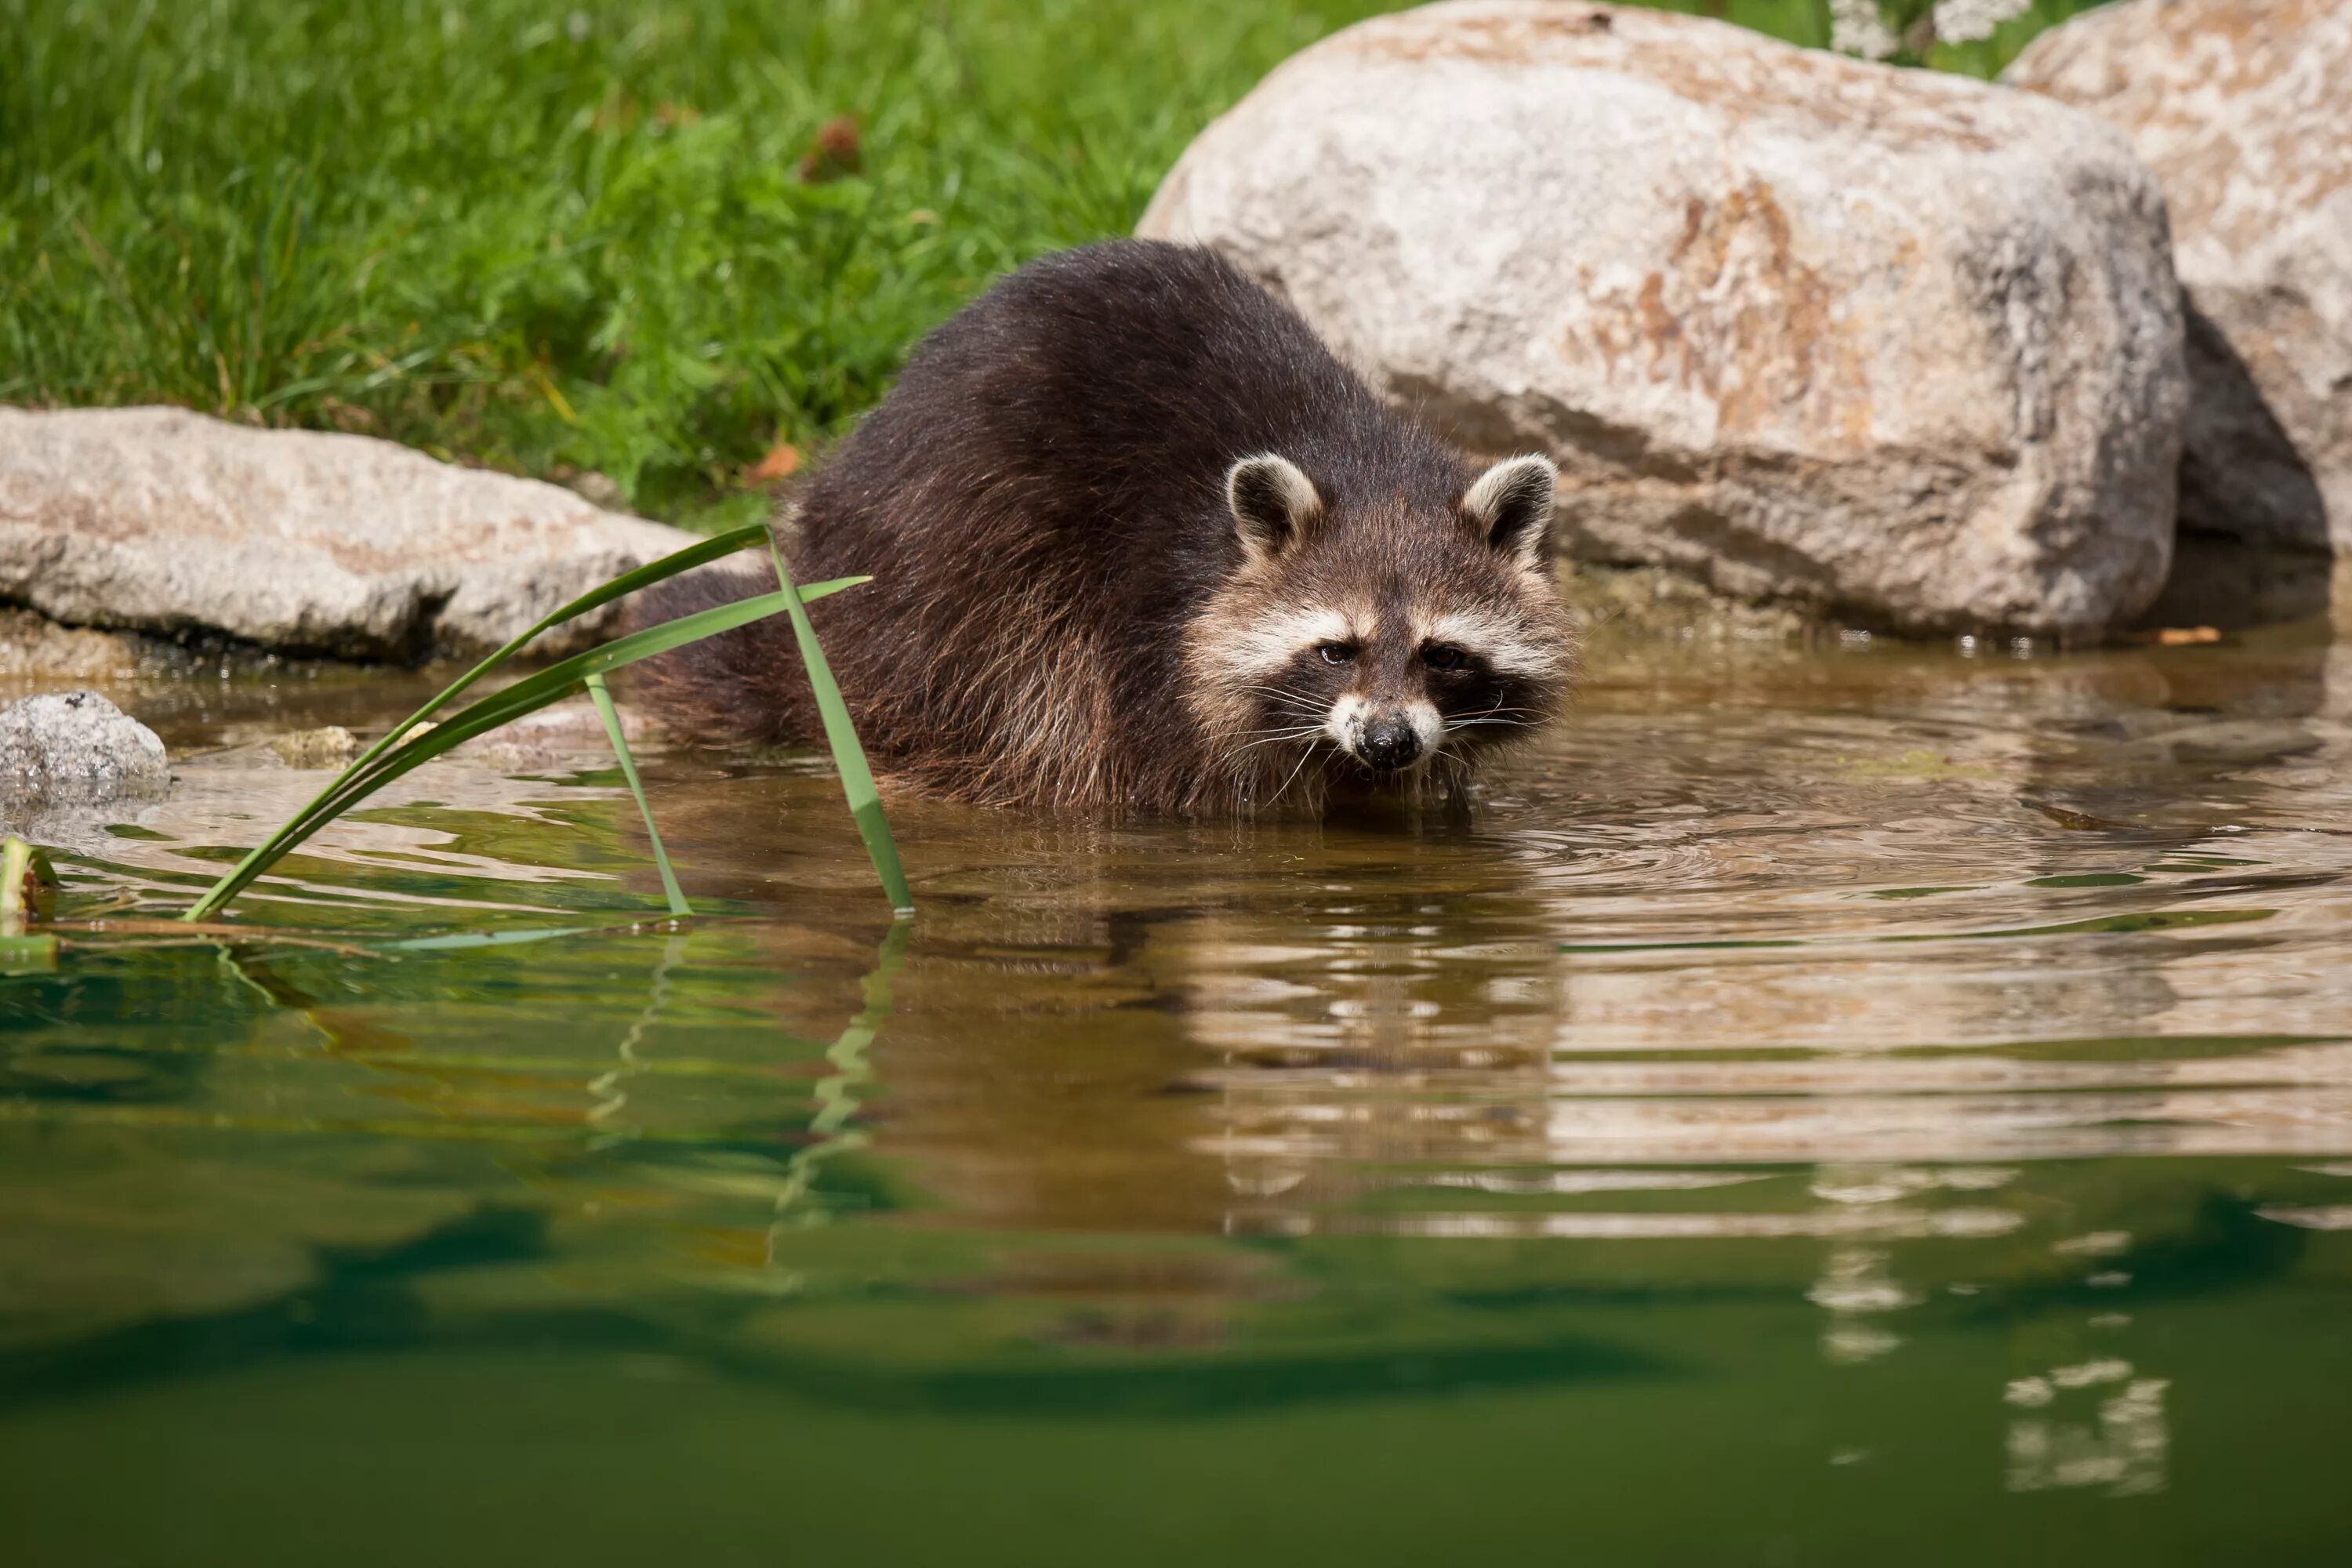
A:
[1139, 542]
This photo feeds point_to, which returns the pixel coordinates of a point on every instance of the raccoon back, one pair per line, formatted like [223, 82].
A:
[1041, 503]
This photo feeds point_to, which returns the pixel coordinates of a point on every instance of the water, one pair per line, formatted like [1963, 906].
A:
[1834, 1105]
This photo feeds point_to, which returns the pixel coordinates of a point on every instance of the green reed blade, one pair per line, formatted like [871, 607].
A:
[528, 695]
[525, 696]
[712, 549]
[605, 711]
[848, 756]
[27, 884]
[364, 775]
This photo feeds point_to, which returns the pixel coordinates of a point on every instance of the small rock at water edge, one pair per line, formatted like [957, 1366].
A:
[77, 748]
[162, 521]
[330, 746]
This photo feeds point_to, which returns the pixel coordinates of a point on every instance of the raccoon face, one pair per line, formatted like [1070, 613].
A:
[1391, 644]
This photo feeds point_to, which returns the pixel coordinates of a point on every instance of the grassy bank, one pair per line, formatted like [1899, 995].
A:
[571, 236]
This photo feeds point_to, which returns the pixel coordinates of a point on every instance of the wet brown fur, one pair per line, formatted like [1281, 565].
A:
[1058, 580]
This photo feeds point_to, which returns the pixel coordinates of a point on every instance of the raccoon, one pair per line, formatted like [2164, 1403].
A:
[1139, 542]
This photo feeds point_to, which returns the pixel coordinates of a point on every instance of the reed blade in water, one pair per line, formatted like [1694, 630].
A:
[715, 548]
[524, 697]
[28, 883]
[848, 756]
[399, 750]
[611, 719]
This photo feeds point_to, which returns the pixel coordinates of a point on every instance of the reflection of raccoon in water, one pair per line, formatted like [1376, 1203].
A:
[1138, 541]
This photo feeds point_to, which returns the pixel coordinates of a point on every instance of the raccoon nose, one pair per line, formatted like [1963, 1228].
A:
[1389, 743]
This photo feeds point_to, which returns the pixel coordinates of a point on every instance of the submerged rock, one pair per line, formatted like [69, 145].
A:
[329, 746]
[566, 734]
[1883, 342]
[162, 521]
[77, 748]
[2233, 741]
[2241, 109]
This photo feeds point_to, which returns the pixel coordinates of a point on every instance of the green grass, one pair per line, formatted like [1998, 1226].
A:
[567, 236]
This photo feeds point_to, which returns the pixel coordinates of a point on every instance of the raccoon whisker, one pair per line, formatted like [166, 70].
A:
[1304, 713]
[1295, 772]
[1270, 740]
[1497, 714]
[1293, 708]
[1295, 697]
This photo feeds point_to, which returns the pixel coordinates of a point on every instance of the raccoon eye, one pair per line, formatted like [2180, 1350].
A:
[1443, 657]
[1337, 652]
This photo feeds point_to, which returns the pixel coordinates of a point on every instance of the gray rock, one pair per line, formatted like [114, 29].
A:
[1887, 341]
[2229, 740]
[2241, 109]
[163, 521]
[329, 746]
[77, 748]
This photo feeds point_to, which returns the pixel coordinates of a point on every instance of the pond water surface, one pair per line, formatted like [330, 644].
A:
[1834, 1104]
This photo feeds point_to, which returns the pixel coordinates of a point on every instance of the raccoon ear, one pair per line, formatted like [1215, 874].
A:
[1511, 505]
[1274, 503]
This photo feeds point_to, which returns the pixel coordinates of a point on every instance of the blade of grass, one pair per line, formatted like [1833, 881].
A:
[712, 549]
[359, 778]
[525, 696]
[528, 695]
[848, 756]
[605, 711]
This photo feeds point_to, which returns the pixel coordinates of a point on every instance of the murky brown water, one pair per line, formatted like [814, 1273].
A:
[1835, 1103]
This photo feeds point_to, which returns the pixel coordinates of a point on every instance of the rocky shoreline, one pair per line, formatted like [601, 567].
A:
[1817, 343]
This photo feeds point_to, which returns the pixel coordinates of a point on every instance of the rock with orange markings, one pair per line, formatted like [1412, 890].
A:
[2241, 108]
[1890, 344]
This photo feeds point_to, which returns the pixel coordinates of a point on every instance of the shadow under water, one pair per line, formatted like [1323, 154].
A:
[1830, 1105]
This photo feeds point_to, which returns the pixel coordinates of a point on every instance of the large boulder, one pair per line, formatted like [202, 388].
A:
[2243, 109]
[163, 521]
[77, 748]
[1883, 342]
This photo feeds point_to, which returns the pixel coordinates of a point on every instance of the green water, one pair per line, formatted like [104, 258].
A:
[1845, 1105]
